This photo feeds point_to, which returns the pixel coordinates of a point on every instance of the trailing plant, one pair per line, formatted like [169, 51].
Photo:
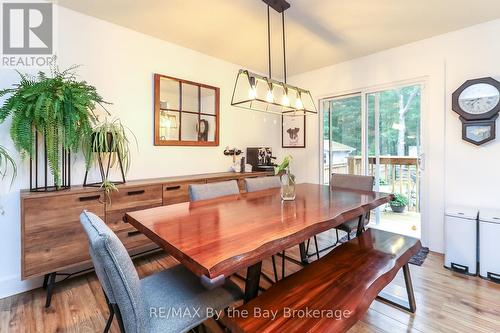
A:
[109, 137]
[108, 187]
[6, 163]
[284, 167]
[60, 107]
[399, 200]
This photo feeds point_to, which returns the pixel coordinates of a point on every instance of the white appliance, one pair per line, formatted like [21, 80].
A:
[461, 239]
[489, 244]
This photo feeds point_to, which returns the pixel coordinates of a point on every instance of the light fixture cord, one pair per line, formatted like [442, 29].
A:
[269, 40]
[284, 44]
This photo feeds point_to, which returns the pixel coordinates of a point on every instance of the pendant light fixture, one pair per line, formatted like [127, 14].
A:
[256, 92]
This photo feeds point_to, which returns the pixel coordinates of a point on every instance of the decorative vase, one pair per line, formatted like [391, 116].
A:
[287, 186]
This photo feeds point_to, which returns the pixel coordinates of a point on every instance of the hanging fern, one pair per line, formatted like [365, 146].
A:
[60, 107]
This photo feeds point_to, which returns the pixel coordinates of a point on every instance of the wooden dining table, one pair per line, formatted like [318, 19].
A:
[218, 237]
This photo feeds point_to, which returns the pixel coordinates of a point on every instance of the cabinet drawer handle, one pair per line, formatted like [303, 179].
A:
[172, 188]
[90, 198]
[133, 233]
[136, 192]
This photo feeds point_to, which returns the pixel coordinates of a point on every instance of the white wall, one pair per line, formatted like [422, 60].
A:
[121, 63]
[456, 172]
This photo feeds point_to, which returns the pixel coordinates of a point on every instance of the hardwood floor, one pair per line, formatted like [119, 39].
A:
[446, 302]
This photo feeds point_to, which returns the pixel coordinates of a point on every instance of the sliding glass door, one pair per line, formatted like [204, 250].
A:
[377, 132]
[342, 139]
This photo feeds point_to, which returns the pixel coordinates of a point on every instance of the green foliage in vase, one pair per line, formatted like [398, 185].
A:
[109, 137]
[6, 163]
[60, 107]
[284, 167]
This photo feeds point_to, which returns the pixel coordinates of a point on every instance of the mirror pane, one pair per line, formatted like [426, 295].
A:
[169, 125]
[207, 128]
[190, 98]
[189, 127]
[169, 94]
[207, 101]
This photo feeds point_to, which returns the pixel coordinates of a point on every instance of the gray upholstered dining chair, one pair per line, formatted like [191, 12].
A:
[142, 305]
[351, 182]
[260, 184]
[213, 190]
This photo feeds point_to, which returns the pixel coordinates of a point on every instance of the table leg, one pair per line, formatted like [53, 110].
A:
[303, 253]
[252, 281]
[361, 225]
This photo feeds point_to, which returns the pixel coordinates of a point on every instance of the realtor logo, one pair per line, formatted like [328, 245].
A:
[27, 28]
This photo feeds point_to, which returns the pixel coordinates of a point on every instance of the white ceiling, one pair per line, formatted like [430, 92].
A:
[319, 32]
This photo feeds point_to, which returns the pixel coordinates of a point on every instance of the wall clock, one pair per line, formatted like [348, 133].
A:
[478, 103]
[477, 99]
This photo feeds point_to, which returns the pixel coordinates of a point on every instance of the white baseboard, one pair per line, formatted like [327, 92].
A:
[12, 285]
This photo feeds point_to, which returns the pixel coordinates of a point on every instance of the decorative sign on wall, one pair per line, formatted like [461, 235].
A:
[293, 131]
[478, 103]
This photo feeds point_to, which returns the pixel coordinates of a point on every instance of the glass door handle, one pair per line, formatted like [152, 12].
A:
[421, 161]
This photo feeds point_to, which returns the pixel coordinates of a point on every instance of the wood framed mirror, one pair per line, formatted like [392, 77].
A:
[186, 112]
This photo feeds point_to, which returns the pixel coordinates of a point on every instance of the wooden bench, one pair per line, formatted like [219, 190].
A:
[333, 293]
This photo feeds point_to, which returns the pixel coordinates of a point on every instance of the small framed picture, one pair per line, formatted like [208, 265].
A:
[293, 131]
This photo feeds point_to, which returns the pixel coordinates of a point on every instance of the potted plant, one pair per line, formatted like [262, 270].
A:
[109, 141]
[399, 203]
[6, 163]
[59, 109]
[287, 179]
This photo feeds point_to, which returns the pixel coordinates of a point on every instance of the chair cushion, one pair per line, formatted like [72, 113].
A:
[212, 190]
[113, 261]
[262, 183]
[174, 296]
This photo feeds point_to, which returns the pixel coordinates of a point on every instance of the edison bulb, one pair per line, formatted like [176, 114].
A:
[252, 93]
[269, 96]
[298, 104]
[285, 101]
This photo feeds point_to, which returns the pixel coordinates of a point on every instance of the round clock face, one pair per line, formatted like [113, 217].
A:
[479, 98]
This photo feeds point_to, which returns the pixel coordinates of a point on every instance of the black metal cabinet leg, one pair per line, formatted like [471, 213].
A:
[252, 281]
[303, 254]
[45, 280]
[51, 280]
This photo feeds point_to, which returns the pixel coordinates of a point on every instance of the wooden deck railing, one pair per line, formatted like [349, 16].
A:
[398, 174]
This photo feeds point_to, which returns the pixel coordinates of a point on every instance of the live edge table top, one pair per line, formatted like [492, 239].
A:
[221, 236]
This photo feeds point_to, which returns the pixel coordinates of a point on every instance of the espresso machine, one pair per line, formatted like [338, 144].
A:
[261, 158]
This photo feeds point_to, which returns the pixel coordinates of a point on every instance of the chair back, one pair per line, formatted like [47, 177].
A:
[116, 272]
[353, 182]
[262, 183]
[212, 190]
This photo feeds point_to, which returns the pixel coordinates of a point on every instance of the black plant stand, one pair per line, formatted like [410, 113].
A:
[39, 167]
[105, 172]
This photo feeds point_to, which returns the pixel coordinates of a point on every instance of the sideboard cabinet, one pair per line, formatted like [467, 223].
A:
[53, 240]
